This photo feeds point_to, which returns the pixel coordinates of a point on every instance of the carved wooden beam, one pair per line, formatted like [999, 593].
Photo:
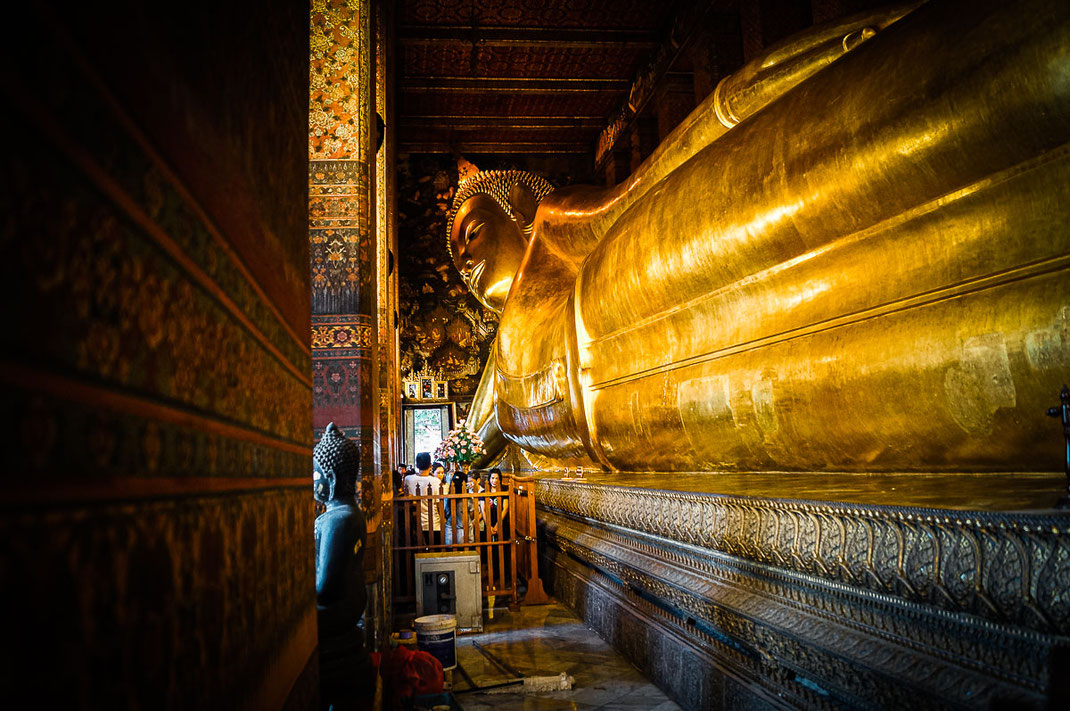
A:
[466, 122]
[512, 85]
[647, 80]
[411, 35]
[504, 147]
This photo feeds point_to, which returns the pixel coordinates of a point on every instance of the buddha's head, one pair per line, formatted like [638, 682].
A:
[489, 227]
[335, 466]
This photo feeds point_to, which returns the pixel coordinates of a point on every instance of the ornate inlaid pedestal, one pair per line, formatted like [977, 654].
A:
[732, 601]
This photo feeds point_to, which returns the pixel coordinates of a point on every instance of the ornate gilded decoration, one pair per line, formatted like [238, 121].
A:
[341, 369]
[340, 234]
[344, 252]
[338, 79]
[425, 385]
[1006, 568]
[386, 268]
[341, 335]
[442, 326]
[864, 601]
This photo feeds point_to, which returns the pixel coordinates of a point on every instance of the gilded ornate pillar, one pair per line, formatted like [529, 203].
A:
[342, 240]
[386, 291]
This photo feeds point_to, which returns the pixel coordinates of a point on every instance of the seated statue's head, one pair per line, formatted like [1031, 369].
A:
[489, 227]
[335, 466]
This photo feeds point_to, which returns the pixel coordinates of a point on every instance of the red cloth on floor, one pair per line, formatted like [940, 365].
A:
[409, 673]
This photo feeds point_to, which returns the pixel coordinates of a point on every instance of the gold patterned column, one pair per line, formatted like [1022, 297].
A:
[385, 245]
[386, 291]
[342, 240]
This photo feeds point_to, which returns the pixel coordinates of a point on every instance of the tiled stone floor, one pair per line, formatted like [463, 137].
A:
[546, 640]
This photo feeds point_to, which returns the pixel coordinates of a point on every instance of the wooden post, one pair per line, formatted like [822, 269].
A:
[525, 501]
[512, 548]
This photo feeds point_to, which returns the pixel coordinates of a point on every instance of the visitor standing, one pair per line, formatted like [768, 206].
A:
[423, 483]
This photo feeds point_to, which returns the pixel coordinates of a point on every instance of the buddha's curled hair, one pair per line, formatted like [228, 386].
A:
[505, 186]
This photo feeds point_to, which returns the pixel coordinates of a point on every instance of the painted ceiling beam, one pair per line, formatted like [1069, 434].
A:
[492, 147]
[511, 122]
[698, 13]
[513, 85]
[528, 36]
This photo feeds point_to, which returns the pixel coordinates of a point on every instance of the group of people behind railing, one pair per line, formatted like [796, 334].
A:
[455, 521]
[437, 511]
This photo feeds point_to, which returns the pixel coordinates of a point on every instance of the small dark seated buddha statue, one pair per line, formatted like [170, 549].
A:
[345, 672]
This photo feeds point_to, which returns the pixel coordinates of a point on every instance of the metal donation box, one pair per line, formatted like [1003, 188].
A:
[449, 584]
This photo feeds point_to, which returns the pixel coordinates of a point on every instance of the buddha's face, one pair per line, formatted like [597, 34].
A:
[321, 485]
[488, 247]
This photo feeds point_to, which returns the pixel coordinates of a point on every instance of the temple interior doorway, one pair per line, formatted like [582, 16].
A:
[424, 427]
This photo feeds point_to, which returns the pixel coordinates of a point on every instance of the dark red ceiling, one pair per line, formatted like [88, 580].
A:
[512, 76]
[588, 14]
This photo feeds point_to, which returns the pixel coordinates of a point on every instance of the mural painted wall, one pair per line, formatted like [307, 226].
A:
[443, 328]
[155, 513]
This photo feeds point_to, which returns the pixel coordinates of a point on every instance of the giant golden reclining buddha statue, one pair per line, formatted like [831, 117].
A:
[852, 256]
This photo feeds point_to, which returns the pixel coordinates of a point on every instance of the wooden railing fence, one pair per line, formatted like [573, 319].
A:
[498, 525]
[457, 522]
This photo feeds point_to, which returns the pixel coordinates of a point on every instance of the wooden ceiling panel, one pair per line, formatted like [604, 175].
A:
[594, 14]
[552, 136]
[515, 76]
[474, 104]
[531, 61]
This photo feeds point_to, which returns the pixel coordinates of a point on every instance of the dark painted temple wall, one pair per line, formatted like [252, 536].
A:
[155, 523]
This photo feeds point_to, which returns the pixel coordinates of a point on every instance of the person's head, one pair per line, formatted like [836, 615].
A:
[439, 470]
[488, 229]
[494, 478]
[423, 461]
[401, 468]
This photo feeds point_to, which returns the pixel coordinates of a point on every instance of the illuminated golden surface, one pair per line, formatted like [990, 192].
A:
[996, 491]
[865, 272]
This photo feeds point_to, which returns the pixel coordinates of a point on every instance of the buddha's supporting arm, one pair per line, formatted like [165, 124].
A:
[481, 414]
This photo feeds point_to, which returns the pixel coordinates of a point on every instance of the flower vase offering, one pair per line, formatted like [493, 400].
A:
[461, 446]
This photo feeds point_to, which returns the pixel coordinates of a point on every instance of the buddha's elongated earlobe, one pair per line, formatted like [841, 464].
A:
[524, 203]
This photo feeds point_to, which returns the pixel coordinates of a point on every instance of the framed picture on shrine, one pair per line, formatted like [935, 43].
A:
[425, 386]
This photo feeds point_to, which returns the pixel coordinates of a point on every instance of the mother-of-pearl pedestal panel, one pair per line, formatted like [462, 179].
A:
[879, 600]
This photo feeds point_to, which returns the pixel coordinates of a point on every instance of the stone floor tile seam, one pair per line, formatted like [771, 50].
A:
[604, 680]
